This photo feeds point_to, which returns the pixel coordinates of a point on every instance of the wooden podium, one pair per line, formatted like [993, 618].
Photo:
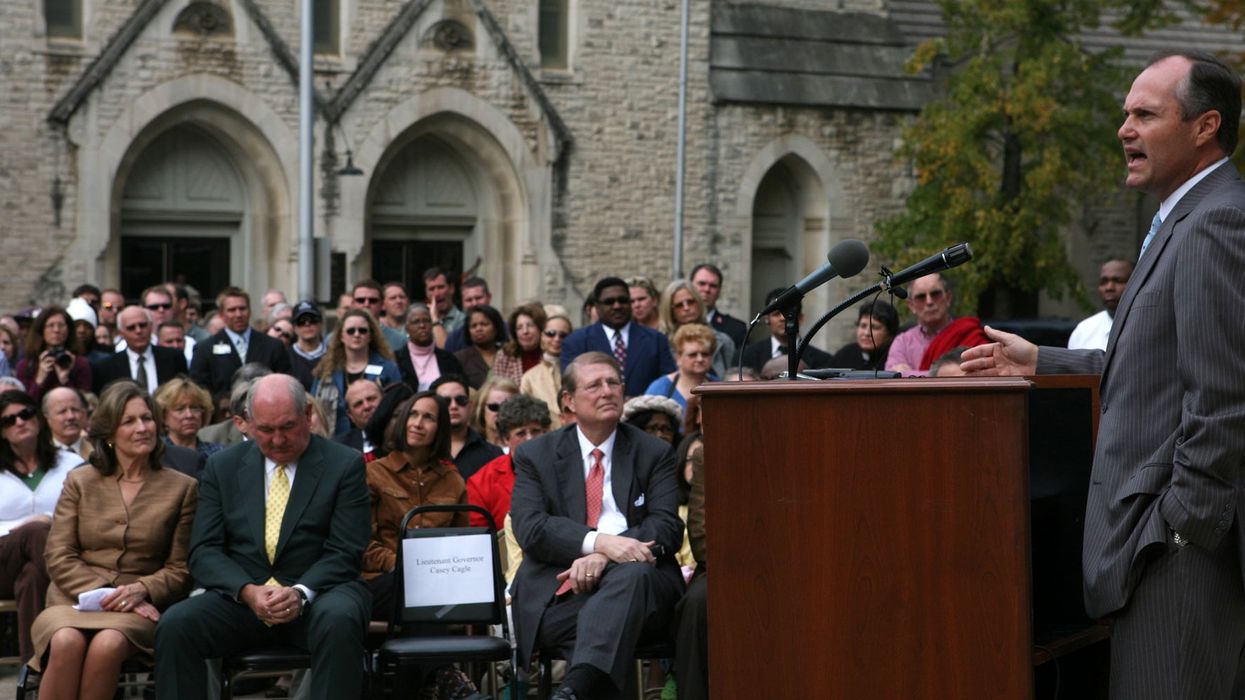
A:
[869, 539]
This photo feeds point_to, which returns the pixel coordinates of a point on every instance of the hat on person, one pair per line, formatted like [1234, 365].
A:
[28, 314]
[650, 402]
[79, 309]
[307, 308]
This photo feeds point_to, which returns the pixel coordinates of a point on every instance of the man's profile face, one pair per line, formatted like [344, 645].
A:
[65, 415]
[362, 398]
[614, 306]
[929, 300]
[1112, 279]
[135, 327]
[236, 311]
[709, 285]
[476, 296]
[456, 394]
[1161, 149]
[440, 293]
[598, 395]
[276, 425]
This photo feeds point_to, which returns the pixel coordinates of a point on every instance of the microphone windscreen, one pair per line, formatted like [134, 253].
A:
[849, 257]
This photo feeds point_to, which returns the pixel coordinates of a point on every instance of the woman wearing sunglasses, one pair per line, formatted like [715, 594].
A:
[681, 304]
[544, 381]
[488, 401]
[356, 350]
[32, 472]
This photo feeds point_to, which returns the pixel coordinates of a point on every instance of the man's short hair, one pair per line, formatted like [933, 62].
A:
[367, 284]
[385, 287]
[521, 409]
[570, 377]
[85, 289]
[179, 292]
[248, 372]
[950, 357]
[475, 283]
[434, 272]
[707, 266]
[450, 379]
[170, 324]
[230, 292]
[1210, 85]
[606, 283]
[155, 289]
[777, 292]
[298, 394]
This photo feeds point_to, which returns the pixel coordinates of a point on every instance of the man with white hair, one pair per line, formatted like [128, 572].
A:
[140, 360]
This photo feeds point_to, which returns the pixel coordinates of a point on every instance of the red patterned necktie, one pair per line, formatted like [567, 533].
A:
[594, 492]
[620, 350]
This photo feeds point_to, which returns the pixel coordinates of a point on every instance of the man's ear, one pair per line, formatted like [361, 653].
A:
[1208, 127]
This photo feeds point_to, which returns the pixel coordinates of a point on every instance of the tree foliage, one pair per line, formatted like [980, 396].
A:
[1023, 134]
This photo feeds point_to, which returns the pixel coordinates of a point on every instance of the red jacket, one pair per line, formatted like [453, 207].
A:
[490, 487]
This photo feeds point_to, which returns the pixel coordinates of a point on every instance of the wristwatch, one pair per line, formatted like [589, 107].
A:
[302, 597]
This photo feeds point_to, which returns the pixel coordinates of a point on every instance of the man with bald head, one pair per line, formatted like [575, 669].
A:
[65, 411]
[1164, 529]
[278, 544]
[140, 360]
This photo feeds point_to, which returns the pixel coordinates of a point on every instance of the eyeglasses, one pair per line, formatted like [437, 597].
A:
[493, 407]
[286, 335]
[697, 353]
[933, 295]
[26, 415]
[602, 385]
[135, 327]
[108, 305]
[367, 300]
[685, 304]
[163, 306]
[307, 321]
[555, 334]
[356, 330]
[615, 301]
[460, 399]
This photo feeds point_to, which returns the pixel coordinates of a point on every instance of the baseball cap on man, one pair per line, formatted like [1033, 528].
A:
[307, 308]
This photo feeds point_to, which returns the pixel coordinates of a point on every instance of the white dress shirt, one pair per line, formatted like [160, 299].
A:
[149, 365]
[612, 520]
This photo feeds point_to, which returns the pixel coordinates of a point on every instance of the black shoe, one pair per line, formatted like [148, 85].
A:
[564, 693]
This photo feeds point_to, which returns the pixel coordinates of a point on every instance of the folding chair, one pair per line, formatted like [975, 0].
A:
[447, 576]
[264, 661]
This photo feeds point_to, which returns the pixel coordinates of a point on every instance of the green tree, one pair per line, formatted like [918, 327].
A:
[1022, 136]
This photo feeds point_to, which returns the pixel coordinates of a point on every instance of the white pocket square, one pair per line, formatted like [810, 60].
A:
[639, 502]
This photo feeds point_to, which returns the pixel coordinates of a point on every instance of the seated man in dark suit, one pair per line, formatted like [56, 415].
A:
[595, 510]
[236, 344]
[147, 364]
[641, 352]
[278, 543]
[362, 398]
[759, 353]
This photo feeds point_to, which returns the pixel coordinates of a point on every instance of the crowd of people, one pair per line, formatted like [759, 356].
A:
[144, 444]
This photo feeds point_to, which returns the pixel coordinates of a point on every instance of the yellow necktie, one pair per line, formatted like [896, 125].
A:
[278, 496]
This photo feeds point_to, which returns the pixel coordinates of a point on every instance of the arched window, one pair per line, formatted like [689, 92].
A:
[326, 27]
[63, 18]
[554, 34]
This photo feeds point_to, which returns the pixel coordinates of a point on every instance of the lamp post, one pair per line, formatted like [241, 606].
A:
[306, 138]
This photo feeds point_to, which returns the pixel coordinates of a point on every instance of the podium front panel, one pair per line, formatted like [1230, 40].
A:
[868, 539]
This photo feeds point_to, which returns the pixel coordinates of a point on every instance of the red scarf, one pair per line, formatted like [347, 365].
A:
[964, 331]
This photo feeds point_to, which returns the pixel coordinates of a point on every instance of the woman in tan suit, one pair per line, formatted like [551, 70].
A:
[122, 523]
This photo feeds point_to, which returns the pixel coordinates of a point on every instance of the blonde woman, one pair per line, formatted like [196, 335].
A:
[682, 304]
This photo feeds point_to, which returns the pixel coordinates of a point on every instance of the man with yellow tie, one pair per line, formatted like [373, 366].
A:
[278, 544]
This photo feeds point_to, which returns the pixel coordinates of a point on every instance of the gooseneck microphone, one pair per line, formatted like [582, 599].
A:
[846, 259]
[953, 256]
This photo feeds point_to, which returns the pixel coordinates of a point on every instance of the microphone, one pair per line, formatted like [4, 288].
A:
[953, 256]
[846, 259]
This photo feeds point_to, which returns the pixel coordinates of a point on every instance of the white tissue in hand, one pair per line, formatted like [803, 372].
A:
[89, 601]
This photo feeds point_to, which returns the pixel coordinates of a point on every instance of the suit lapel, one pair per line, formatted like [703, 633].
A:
[1149, 261]
[251, 491]
[569, 467]
[622, 472]
[310, 466]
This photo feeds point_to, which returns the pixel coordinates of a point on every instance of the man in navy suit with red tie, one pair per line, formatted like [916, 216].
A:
[643, 353]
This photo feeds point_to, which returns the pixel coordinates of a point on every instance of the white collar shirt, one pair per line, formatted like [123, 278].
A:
[149, 366]
[612, 520]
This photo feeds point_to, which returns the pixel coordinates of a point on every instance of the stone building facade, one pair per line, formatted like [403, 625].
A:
[161, 139]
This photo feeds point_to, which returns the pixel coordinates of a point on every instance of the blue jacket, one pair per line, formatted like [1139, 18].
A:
[648, 353]
[387, 375]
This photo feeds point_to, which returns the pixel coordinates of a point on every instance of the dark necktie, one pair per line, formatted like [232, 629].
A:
[141, 375]
[620, 350]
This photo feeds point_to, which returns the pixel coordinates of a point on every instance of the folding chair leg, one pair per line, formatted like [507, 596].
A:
[546, 680]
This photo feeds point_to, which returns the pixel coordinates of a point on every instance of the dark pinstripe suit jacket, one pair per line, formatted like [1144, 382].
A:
[1171, 438]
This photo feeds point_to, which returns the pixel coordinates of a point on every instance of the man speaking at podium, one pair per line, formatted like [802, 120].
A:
[1163, 527]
